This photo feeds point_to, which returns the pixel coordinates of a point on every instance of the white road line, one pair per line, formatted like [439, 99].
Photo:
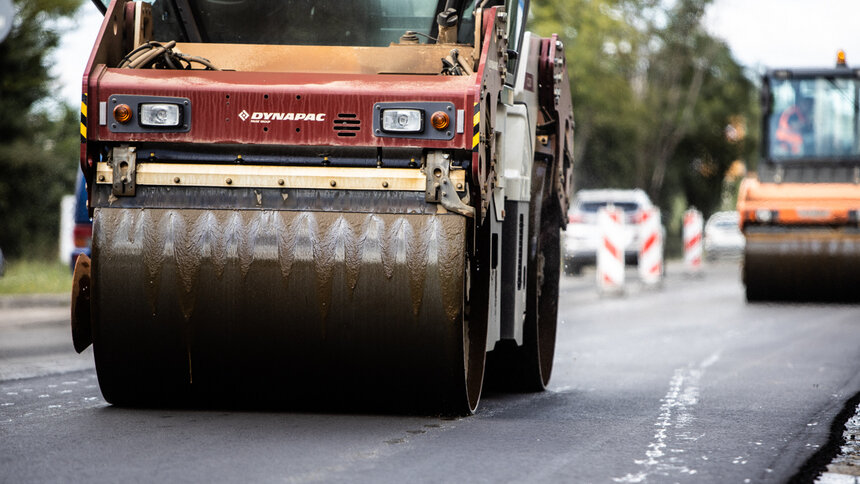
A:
[676, 415]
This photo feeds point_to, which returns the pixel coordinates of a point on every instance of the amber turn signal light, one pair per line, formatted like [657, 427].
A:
[122, 113]
[440, 120]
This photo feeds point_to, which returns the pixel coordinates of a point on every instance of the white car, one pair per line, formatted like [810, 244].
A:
[723, 237]
[583, 235]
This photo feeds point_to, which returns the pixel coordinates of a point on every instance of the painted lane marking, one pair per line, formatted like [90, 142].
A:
[676, 415]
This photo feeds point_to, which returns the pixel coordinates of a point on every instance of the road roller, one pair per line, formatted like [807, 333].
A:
[800, 213]
[322, 203]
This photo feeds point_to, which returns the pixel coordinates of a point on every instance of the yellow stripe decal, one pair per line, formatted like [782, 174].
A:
[84, 118]
[476, 130]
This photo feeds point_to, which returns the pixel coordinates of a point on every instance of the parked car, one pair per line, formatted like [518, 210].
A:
[723, 237]
[82, 233]
[583, 234]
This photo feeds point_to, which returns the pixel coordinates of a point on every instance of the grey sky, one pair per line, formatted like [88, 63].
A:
[787, 33]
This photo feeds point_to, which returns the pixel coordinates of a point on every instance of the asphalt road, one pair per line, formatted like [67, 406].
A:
[684, 384]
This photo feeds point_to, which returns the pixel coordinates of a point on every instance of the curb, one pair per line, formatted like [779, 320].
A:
[23, 301]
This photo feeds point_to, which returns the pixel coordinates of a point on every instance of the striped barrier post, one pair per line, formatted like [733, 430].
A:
[651, 247]
[610, 251]
[693, 241]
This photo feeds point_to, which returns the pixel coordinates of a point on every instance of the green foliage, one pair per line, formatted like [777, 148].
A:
[654, 95]
[35, 276]
[601, 54]
[24, 76]
[705, 153]
[36, 170]
[38, 150]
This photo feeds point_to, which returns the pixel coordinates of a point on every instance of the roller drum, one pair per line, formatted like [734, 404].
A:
[821, 264]
[318, 308]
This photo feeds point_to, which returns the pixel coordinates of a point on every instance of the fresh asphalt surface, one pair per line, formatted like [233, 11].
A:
[684, 384]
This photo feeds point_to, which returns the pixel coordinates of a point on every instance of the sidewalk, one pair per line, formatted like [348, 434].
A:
[845, 468]
[22, 301]
[35, 337]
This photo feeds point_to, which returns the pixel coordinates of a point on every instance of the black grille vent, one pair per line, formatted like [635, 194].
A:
[347, 124]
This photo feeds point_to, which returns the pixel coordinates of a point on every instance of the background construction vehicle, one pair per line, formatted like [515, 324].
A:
[800, 216]
[322, 201]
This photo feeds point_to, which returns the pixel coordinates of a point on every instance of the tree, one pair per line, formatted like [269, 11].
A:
[601, 49]
[653, 96]
[719, 135]
[38, 150]
[695, 91]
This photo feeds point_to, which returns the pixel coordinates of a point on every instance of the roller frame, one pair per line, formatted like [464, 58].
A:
[159, 237]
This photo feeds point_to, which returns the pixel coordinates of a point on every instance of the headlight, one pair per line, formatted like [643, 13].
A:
[161, 115]
[765, 216]
[402, 120]
[413, 120]
[133, 113]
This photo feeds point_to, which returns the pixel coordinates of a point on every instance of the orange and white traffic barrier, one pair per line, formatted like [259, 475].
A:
[651, 247]
[693, 241]
[610, 251]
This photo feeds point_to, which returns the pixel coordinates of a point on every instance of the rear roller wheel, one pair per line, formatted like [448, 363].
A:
[528, 368]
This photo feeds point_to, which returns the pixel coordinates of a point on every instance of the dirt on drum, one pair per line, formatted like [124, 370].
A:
[249, 293]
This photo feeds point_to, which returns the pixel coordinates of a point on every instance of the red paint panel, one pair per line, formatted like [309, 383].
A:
[693, 242]
[611, 248]
[652, 239]
[224, 105]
